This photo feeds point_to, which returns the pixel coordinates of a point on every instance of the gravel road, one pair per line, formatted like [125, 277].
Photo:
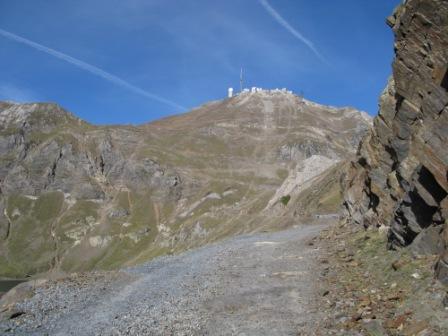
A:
[259, 284]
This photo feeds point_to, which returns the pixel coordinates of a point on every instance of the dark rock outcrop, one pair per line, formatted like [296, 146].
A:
[400, 176]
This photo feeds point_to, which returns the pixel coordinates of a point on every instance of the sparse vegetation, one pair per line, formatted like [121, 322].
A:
[395, 287]
[282, 173]
[285, 199]
[114, 196]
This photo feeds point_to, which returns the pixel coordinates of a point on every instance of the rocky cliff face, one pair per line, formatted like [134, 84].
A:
[76, 196]
[399, 179]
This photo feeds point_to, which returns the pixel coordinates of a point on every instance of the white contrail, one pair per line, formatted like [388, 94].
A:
[289, 28]
[90, 68]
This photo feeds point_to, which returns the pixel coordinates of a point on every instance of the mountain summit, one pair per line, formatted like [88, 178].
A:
[75, 196]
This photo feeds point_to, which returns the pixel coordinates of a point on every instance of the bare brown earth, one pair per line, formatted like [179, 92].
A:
[369, 290]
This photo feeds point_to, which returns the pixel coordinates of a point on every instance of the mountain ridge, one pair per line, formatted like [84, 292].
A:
[105, 196]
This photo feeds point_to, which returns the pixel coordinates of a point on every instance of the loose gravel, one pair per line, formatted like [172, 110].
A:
[259, 284]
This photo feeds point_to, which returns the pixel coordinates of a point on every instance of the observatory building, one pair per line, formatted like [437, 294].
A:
[230, 91]
[252, 90]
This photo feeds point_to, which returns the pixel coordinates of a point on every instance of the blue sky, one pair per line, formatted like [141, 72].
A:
[139, 60]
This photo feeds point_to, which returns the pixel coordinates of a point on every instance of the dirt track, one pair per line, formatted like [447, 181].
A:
[249, 285]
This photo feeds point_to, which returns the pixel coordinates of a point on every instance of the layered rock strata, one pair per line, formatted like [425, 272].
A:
[399, 179]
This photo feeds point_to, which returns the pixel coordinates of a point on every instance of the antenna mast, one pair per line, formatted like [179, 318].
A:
[241, 80]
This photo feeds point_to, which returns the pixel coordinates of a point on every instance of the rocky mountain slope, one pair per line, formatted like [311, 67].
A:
[75, 196]
[399, 179]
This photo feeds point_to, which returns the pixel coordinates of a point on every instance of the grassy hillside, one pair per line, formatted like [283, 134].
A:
[78, 197]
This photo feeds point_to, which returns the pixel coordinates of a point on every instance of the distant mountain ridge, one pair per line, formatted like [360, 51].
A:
[75, 196]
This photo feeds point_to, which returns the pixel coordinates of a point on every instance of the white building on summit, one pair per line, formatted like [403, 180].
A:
[254, 89]
[230, 91]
